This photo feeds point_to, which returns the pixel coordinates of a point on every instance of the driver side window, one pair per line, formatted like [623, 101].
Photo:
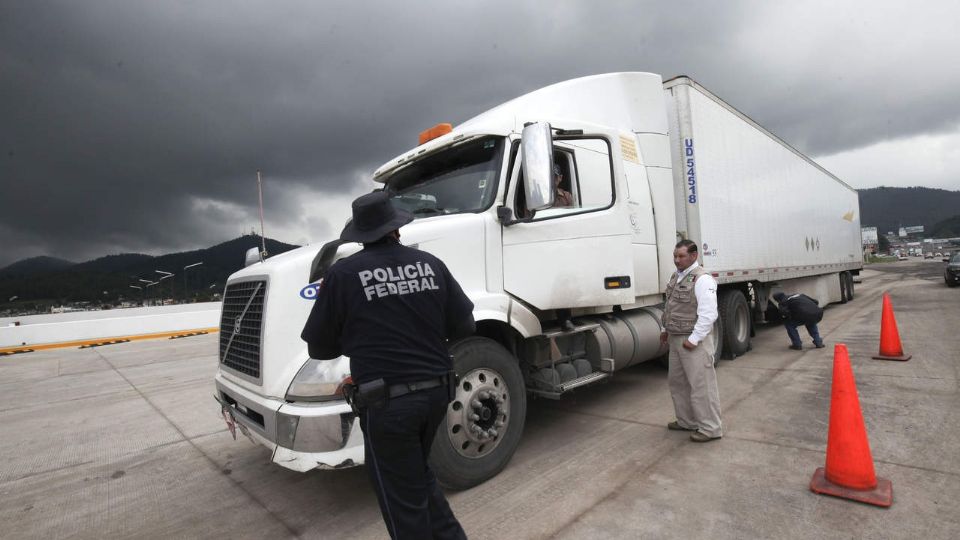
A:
[583, 179]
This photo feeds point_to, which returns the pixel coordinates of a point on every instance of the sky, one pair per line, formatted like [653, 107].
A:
[139, 126]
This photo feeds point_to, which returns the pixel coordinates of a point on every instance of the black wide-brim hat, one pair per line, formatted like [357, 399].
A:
[373, 217]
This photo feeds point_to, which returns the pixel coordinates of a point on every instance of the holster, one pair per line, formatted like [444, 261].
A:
[370, 394]
[452, 383]
[350, 395]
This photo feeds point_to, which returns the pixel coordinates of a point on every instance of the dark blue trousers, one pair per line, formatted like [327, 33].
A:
[397, 440]
[812, 329]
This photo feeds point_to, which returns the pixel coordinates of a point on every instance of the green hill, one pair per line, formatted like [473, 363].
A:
[107, 279]
[35, 265]
[889, 208]
[948, 228]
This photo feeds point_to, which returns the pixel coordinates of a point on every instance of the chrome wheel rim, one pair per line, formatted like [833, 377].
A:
[479, 415]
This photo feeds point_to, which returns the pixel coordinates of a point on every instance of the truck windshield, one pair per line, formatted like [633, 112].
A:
[457, 180]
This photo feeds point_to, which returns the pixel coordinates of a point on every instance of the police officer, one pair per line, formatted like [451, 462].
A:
[797, 310]
[393, 309]
[688, 318]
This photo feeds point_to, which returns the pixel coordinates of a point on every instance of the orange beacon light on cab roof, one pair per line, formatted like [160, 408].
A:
[434, 132]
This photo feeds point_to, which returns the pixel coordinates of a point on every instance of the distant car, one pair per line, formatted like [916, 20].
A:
[928, 255]
[938, 254]
[903, 258]
[951, 274]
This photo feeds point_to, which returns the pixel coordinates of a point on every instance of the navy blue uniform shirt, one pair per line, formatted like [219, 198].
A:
[802, 309]
[391, 309]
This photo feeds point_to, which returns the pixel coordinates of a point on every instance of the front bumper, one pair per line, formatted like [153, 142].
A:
[302, 436]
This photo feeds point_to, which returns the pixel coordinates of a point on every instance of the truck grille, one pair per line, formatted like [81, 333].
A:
[240, 344]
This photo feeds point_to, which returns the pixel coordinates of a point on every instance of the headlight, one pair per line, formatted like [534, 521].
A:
[320, 380]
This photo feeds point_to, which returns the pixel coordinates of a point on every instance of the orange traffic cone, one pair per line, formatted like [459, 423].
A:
[849, 472]
[890, 347]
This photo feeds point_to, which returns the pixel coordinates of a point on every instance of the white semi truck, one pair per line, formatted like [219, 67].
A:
[565, 296]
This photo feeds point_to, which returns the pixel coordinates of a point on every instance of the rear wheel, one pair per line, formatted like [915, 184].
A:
[735, 314]
[846, 287]
[717, 340]
[485, 420]
[717, 334]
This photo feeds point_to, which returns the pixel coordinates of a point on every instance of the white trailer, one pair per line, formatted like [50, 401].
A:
[647, 164]
[763, 214]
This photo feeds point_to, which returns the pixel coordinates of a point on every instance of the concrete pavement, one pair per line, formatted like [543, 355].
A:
[126, 441]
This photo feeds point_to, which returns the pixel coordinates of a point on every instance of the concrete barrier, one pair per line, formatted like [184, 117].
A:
[88, 325]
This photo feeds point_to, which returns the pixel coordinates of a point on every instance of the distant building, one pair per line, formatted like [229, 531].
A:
[870, 240]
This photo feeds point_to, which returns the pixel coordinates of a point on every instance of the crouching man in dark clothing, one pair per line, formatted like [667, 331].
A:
[797, 310]
[393, 309]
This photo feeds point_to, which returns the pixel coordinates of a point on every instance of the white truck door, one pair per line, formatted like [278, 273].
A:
[578, 252]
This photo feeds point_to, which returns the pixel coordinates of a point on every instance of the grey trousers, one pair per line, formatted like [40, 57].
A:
[693, 385]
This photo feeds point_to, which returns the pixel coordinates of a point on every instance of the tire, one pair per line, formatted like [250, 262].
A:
[843, 287]
[735, 314]
[772, 314]
[489, 376]
[717, 340]
[664, 361]
[850, 287]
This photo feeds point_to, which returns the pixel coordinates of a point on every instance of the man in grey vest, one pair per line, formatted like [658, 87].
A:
[688, 318]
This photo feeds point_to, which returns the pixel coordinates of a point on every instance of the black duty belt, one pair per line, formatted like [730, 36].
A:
[375, 392]
[402, 389]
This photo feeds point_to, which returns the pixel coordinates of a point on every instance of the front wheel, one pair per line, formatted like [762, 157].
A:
[485, 420]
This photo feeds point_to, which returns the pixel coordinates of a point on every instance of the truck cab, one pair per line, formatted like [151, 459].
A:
[527, 263]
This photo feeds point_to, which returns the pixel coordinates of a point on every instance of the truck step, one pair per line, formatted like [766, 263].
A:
[561, 388]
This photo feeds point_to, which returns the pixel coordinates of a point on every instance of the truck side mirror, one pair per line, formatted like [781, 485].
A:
[537, 142]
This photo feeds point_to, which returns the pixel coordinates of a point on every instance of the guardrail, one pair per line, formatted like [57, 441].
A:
[67, 329]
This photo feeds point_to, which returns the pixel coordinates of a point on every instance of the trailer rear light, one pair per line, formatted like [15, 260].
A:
[436, 131]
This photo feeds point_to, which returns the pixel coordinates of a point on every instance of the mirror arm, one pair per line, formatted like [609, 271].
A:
[505, 216]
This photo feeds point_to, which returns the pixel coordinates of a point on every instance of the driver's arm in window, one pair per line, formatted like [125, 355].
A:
[564, 198]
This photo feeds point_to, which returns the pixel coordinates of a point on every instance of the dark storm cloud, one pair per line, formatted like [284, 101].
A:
[132, 126]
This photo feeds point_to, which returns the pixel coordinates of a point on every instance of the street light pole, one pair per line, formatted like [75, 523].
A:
[165, 276]
[150, 284]
[143, 296]
[186, 291]
[146, 285]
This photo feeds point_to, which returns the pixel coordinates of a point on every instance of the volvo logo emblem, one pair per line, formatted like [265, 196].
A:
[236, 324]
[310, 291]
